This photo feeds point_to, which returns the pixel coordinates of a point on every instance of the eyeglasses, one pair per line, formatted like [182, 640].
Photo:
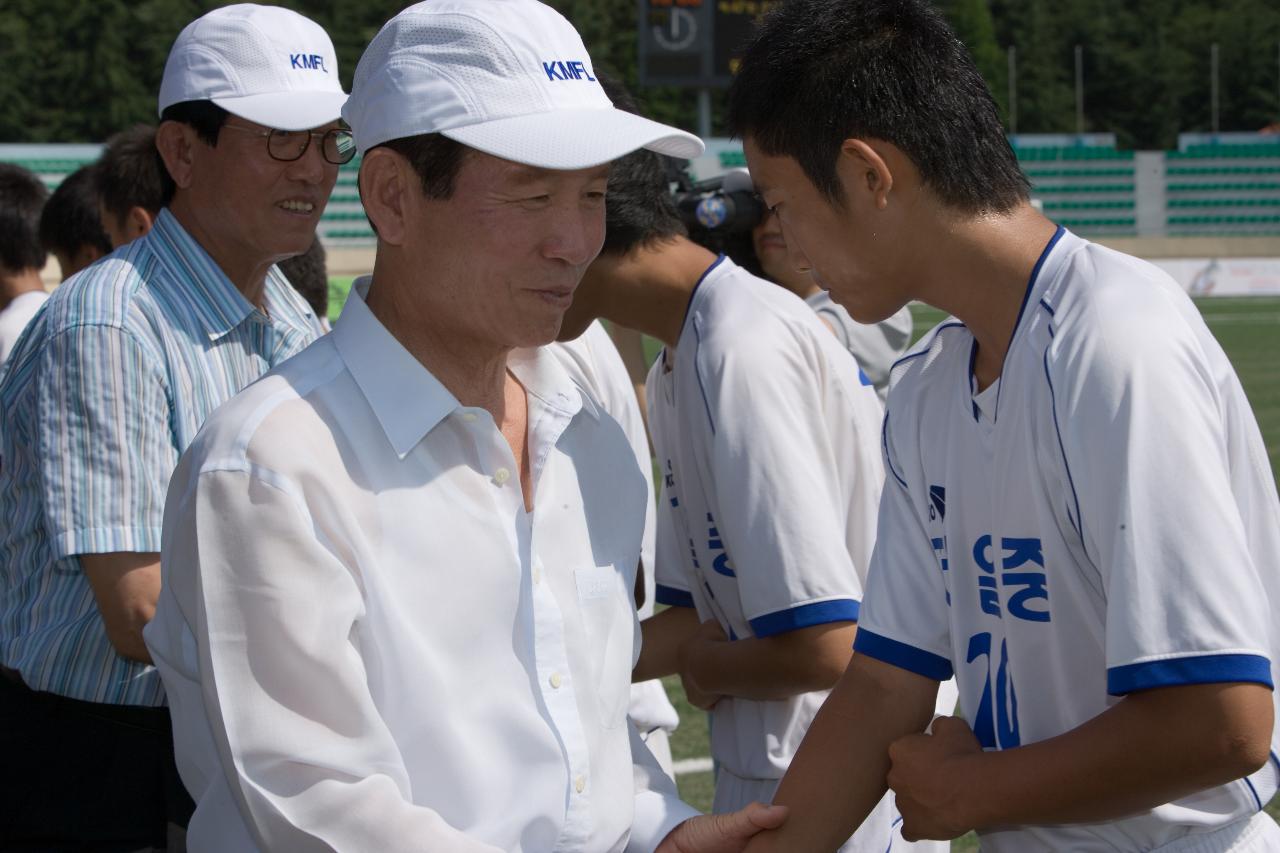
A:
[336, 146]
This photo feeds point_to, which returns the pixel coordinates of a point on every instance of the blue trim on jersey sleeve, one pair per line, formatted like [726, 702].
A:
[673, 597]
[804, 616]
[902, 656]
[1202, 669]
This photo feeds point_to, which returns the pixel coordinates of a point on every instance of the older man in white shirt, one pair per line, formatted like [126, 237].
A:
[397, 609]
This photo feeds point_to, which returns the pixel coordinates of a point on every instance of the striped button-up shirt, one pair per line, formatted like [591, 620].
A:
[108, 386]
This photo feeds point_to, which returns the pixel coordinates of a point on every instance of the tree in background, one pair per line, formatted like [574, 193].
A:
[78, 71]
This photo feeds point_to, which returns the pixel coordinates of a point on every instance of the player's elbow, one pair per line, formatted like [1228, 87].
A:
[1241, 743]
[1245, 750]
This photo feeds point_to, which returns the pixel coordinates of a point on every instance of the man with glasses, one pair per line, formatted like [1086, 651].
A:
[111, 384]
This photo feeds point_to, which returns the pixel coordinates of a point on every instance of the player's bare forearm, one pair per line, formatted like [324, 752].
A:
[838, 774]
[775, 667]
[662, 635]
[1153, 747]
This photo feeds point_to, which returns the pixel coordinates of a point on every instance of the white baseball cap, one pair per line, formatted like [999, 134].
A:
[263, 63]
[510, 78]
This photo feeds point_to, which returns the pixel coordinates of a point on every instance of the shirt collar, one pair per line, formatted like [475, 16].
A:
[406, 398]
[217, 303]
[544, 377]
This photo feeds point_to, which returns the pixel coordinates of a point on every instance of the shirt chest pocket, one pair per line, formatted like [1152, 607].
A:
[608, 616]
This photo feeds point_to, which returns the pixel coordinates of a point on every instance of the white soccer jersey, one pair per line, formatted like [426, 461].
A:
[1101, 520]
[876, 346]
[768, 443]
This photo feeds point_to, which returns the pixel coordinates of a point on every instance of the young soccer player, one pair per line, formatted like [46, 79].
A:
[1079, 519]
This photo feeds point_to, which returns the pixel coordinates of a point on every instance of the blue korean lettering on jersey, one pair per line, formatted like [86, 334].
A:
[575, 70]
[988, 587]
[1021, 565]
[1024, 554]
[995, 723]
[720, 562]
[308, 61]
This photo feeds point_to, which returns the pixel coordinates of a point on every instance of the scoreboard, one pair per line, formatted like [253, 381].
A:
[694, 42]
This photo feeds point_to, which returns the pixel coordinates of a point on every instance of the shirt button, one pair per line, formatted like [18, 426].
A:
[501, 476]
[580, 784]
[555, 680]
[469, 417]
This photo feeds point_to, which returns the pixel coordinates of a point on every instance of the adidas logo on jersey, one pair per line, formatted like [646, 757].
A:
[937, 503]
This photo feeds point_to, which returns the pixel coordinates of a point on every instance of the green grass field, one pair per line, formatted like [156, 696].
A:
[1248, 329]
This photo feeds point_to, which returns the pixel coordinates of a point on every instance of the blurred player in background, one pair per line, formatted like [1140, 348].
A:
[133, 184]
[767, 440]
[70, 227]
[724, 214]
[876, 346]
[310, 277]
[22, 257]
[1079, 519]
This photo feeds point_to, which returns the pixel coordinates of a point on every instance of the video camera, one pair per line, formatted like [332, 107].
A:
[724, 205]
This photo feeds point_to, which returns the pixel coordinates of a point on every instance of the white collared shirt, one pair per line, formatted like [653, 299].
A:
[369, 644]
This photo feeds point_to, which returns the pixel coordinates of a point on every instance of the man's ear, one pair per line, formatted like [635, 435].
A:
[386, 182]
[861, 169]
[176, 143]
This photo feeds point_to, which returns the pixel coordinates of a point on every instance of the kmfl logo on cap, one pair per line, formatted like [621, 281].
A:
[310, 61]
[575, 70]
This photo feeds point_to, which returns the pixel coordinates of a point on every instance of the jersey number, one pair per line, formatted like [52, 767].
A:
[996, 723]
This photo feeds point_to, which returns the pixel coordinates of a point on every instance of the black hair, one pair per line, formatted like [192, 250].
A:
[435, 158]
[818, 72]
[307, 274]
[22, 196]
[132, 174]
[206, 117]
[639, 209]
[70, 217]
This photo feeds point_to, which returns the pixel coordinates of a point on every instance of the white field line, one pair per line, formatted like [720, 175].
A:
[1234, 319]
[686, 766]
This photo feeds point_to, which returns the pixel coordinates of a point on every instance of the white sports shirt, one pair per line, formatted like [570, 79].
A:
[768, 441]
[876, 346]
[1101, 520]
[369, 645]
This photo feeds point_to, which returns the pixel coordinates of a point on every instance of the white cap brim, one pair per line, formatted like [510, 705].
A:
[574, 139]
[293, 110]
